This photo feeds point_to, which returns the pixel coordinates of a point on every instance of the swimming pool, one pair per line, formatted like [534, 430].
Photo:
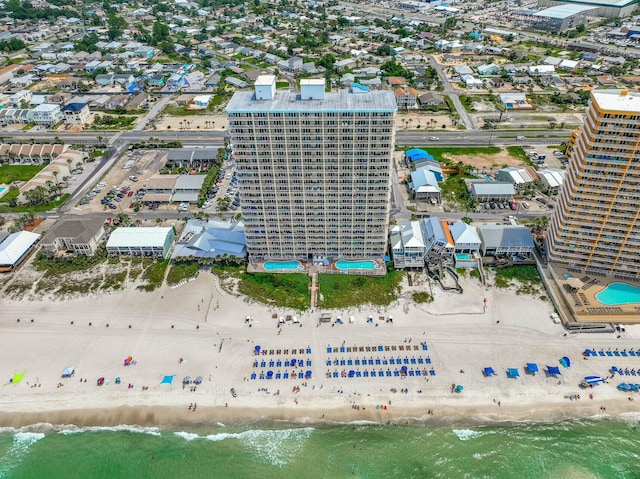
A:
[619, 293]
[567, 276]
[368, 265]
[2, 190]
[283, 266]
[464, 256]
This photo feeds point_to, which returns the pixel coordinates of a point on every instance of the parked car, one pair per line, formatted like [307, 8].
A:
[525, 205]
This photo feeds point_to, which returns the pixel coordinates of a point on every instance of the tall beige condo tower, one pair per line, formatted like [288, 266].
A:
[314, 170]
[596, 223]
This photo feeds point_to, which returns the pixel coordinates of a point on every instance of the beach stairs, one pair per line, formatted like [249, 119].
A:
[481, 271]
[313, 289]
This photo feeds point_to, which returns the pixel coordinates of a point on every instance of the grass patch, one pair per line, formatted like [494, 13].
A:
[474, 273]
[182, 271]
[9, 173]
[345, 290]
[422, 297]
[282, 84]
[154, 275]
[58, 266]
[527, 278]
[17, 289]
[519, 153]
[34, 209]
[438, 152]
[282, 290]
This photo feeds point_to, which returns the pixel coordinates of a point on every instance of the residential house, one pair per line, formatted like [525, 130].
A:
[22, 96]
[424, 186]
[211, 239]
[506, 240]
[491, 190]
[141, 241]
[75, 236]
[156, 81]
[76, 113]
[472, 82]
[514, 101]
[541, 70]
[431, 99]
[465, 238]
[490, 69]
[46, 114]
[406, 99]
[407, 245]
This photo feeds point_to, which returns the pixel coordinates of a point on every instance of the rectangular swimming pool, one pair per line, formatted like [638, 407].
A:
[283, 266]
[367, 265]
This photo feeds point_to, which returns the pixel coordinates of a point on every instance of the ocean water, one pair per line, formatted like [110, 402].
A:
[563, 450]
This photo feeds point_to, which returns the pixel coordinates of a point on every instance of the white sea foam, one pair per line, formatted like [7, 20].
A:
[187, 436]
[275, 447]
[22, 442]
[466, 434]
[153, 431]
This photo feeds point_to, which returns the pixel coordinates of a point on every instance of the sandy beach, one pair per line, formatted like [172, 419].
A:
[199, 329]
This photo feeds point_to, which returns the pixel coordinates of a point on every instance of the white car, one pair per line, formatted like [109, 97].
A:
[434, 138]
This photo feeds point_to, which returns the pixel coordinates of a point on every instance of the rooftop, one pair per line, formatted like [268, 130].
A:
[15, 246]
[564, 11]
[138, 237]
[617, 100]
[341, 101]
[505, 236]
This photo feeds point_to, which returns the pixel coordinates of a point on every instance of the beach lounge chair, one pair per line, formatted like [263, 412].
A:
[342, 350]
[420, 360]
[616, 353]
[624, 353]
[411, 373]
[371, 362]
[385, 361]
[308, 362]
[392, 361]
[373, 374]
[406, 360]
[278, 363]
[609, 353]
[286, 376]
[263, 364]
[377, 361]
[432, 372]
[349, 362]
[381, 373]
[308, 350]
[343, 362]
[357, 362]
[632, 352]
[388, 373]
[413, 360]
[366, 374]
[278, 375]
[358, 374]
[328, 362]
[601, 352]
[271, 363]
[255, 364]
[335, 374]
[428, 360]
[253, 375]
[418, 372]
[329, 350]
[396, 373]
[380, 348]
[287, 363]
[261, 375]
[294, 375]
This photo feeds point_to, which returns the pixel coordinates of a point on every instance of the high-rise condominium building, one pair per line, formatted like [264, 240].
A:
[313, 169]
[596, 223]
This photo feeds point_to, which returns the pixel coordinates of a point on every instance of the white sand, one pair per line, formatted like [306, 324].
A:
[460, 337]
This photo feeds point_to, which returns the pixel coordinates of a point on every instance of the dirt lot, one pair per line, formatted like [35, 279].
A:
[482, 162]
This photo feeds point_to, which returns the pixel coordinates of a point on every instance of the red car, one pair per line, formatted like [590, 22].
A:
[130, 193]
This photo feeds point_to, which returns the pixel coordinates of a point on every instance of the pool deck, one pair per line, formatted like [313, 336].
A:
[583, 303]
[309, 268]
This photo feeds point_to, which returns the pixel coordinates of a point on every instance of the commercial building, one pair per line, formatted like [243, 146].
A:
[211, 239]
[15, 248]
[559, 17]
[141, 241]
[491, 190]
[604, 8]
[595, 225]
[313, 169]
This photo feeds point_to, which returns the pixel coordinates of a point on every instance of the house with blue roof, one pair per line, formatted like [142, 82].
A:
[424, 186]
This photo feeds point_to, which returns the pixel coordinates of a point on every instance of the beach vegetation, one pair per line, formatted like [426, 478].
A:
[282, 290]
[55, 266]
[346, 290]
[525, 278]
[474, 273]
[114, 281]
[153, 275]
[182, 271]
[422, 297]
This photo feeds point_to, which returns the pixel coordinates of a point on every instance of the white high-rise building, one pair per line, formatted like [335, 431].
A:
[314, 169]
[595, 226]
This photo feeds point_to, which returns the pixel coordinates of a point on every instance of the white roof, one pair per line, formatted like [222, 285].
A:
[563, 11]
[552, 177]
[138, 237]
[265, 80]
[412, 234]
[15, 246]
[617, 100]
[463, 233]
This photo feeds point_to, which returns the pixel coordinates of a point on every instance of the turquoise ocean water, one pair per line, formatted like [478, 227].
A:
[562, 450]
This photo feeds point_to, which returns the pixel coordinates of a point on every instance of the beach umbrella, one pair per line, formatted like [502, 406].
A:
[352, 373]
[186, 380]
[513, 373]
[257, 348]
[565, 362]
[404, 369]
[198, 380]
[532, 368]
[100, 381]
[293, 362]
[269, 374]
[308, 374]
[489, 371]
[459, 388]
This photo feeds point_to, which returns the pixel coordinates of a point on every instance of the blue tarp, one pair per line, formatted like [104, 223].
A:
[489, 372]
[167, 379]
[553, 370]
[513, 373]
[532, 368]
[416, 154]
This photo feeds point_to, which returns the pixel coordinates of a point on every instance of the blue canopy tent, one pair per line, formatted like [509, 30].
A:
[513, 373]
[565, 362]
[593, 380]
[489, 371]
[553, 370]
[68, 371]
[167, 379]
[532, 368]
